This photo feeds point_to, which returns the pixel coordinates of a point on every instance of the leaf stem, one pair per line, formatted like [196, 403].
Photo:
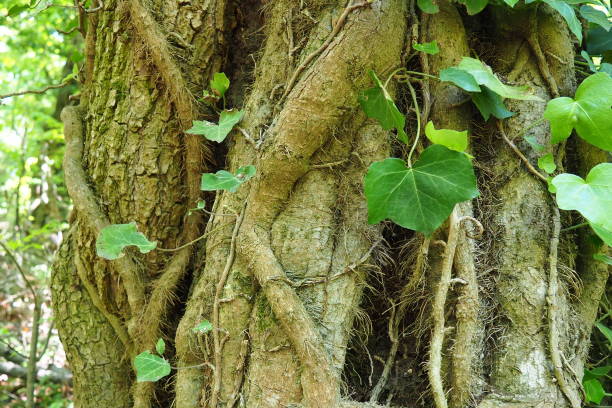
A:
[573, 227]
[418, 118]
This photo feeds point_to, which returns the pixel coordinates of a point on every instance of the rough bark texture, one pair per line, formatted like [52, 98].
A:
[290, 273]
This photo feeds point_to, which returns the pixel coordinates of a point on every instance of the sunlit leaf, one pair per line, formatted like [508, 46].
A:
[428, 6]
[114, 238]
[593, 390]
[547, 163]
[428, 47]
[220, 83]
[461, 78]
[217, 132]
[150, 367]
[590, 112]
[160, 346]
[603, 258]
[452, 139]
[203, 327]
[224, 180]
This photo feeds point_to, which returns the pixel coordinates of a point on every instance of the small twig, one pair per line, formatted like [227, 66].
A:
[520, 154]
[35, 91]
[248, 137]
[437, 335]
[339, 24]
[218, 292]
[328, 165]
[201, 237]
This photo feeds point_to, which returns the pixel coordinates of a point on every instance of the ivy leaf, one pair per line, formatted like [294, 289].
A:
[533, 142]
[160, 346]
[220, 83]
[597, 371]
[483, 74]
[224, 180]
[423, 196]
[589, 61]
[489, 103]
[474, 6]
[598, 41]
[114, 238]
[203, 327]
[567, 12]
[428, 47]
[217, 132]
[595, 16]
[603, 258]
[589, 112]
[604, 234]
[459, 77]
[451, 139]
[150, 367]
[593, 390]
[378, 104]
[605, 330]
[511, 3]
[428, 6]
[547, 163]
[591, 197]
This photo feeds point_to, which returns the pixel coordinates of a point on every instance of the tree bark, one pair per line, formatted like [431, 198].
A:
[290, 273]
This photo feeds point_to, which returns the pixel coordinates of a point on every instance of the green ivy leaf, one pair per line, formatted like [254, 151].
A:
[603, 258]
[589, 112]
[567, 12]
[483, 74]
[150, 367]
[489, 103]
[589, 61]
[224, 180]
[597, 371]
[593, 390]
[605, 330]
[428, 47]
[459, 77]
[603, 233]
[203, 327]
[217, 132]
[533, 142]
[547, 163]
[511, 3]
[220, 83]
[595, 16]
[452, 139]
[160, 346]
[591, 197]
[428, 6]
[114, 238]
[378, 104]
[598, 40]
[474, 6]
[423, 196]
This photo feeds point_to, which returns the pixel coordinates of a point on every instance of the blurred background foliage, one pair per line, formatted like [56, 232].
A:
[40, 45]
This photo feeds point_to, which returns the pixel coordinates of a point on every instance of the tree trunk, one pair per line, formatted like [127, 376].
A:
[301, 291]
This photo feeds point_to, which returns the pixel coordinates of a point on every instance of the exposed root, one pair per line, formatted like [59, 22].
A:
[466, 313]
[86, 203]
[113, 320]
[337, 27]
[438, 315]
[534, 42]
[551, 299]
[218, 292]
[520, 154]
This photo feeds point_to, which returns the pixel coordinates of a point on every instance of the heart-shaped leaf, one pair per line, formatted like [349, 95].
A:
[459, 77]
[428, 47]
[595, 16]
[547, 163]
[590, 112]
[591, 197]
[474, 6]
[114, 238]
[224, 180]
[150, 367]
[378, 104]
[593, 390]
[601, 232]
[220, 83]
[428, 6]
[217, 132]
[423, 196]
[452, 139]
